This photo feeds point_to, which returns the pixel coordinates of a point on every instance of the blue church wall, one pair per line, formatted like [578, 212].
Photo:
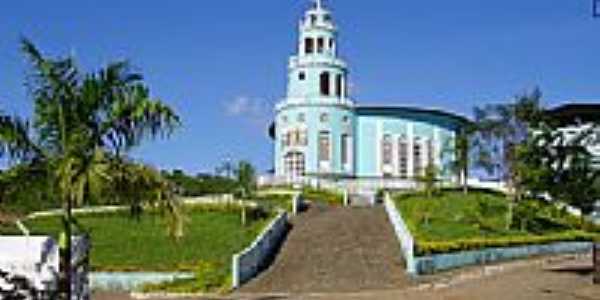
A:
[366, 146]
[313, 125]
[371, 128]
[310, 86]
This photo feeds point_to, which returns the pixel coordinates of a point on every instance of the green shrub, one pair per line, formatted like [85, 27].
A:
[275, 201]
[436, 247]
[209, 276]
[323, 196]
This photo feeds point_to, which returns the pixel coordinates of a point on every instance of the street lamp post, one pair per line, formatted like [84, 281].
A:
[597, 262]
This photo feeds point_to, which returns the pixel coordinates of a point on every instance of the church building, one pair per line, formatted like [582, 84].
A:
[322, 134]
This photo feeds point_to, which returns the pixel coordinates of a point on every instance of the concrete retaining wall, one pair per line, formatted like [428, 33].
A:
[250, 262]
[131, 281]
[402, 233]
[440, 262]
[297, 204]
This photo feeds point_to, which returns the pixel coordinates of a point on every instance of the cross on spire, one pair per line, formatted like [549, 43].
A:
[319, 3]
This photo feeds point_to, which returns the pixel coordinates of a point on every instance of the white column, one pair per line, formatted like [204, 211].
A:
[437, 148]
[378, 149]
[411, 146]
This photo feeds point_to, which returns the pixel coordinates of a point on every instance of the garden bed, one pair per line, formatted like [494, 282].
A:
[453, 222]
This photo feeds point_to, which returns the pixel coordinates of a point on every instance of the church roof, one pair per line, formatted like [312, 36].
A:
[395, 110]
[577, 112]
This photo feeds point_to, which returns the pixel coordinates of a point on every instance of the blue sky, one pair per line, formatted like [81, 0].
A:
[222, 64]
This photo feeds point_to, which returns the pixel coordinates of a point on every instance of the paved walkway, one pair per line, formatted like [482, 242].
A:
[335, 250]
[530, 281]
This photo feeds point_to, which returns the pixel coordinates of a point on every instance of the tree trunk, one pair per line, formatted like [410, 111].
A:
[465, 182]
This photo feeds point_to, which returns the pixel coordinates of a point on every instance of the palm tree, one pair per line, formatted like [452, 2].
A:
[81, 121]
[462, 161]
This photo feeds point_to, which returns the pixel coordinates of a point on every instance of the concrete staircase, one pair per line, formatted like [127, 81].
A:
[362, 199]
[333, 249]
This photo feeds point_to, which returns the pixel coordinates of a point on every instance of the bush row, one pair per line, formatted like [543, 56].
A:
[428, 248]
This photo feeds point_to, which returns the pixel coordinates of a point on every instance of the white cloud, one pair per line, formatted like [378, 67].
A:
[256, 110]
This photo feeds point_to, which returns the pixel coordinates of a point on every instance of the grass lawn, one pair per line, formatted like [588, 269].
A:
[452, 221]
[120, 243]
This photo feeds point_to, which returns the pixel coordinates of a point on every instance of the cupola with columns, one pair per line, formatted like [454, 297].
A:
[316, 74]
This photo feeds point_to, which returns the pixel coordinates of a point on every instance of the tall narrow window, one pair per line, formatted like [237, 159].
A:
[285, 140]
[430, 152]
[345, 149]
[303, 138]
[324, 146]
[320, 45]
[309, 46]
[386, 150]
[338, 85]
[403, 158]
[418, 158]
[297, 141]
[325, 84]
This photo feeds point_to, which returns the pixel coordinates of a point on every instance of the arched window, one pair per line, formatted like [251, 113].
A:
[386, 150]
[320, 45]
[346, 150]
[309, 46]
[324, 146]
[418, 168]
[325, 90]
[303, 138]
[324, 117]
[338, 85]
[301, 117]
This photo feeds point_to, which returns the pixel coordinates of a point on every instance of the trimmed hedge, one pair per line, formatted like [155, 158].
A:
[428, 247]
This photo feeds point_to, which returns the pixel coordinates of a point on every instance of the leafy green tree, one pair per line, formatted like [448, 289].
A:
[429, 179]
[500, 130]
[201, 184]
[246, 178]
[82, 124]
[462, 162]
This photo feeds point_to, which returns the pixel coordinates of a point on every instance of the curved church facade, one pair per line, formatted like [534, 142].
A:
[322, 133]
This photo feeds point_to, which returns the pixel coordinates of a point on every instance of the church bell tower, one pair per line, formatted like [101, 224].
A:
[315, 121]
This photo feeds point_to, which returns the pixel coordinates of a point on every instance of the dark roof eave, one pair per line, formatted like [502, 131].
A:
[573, 113]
